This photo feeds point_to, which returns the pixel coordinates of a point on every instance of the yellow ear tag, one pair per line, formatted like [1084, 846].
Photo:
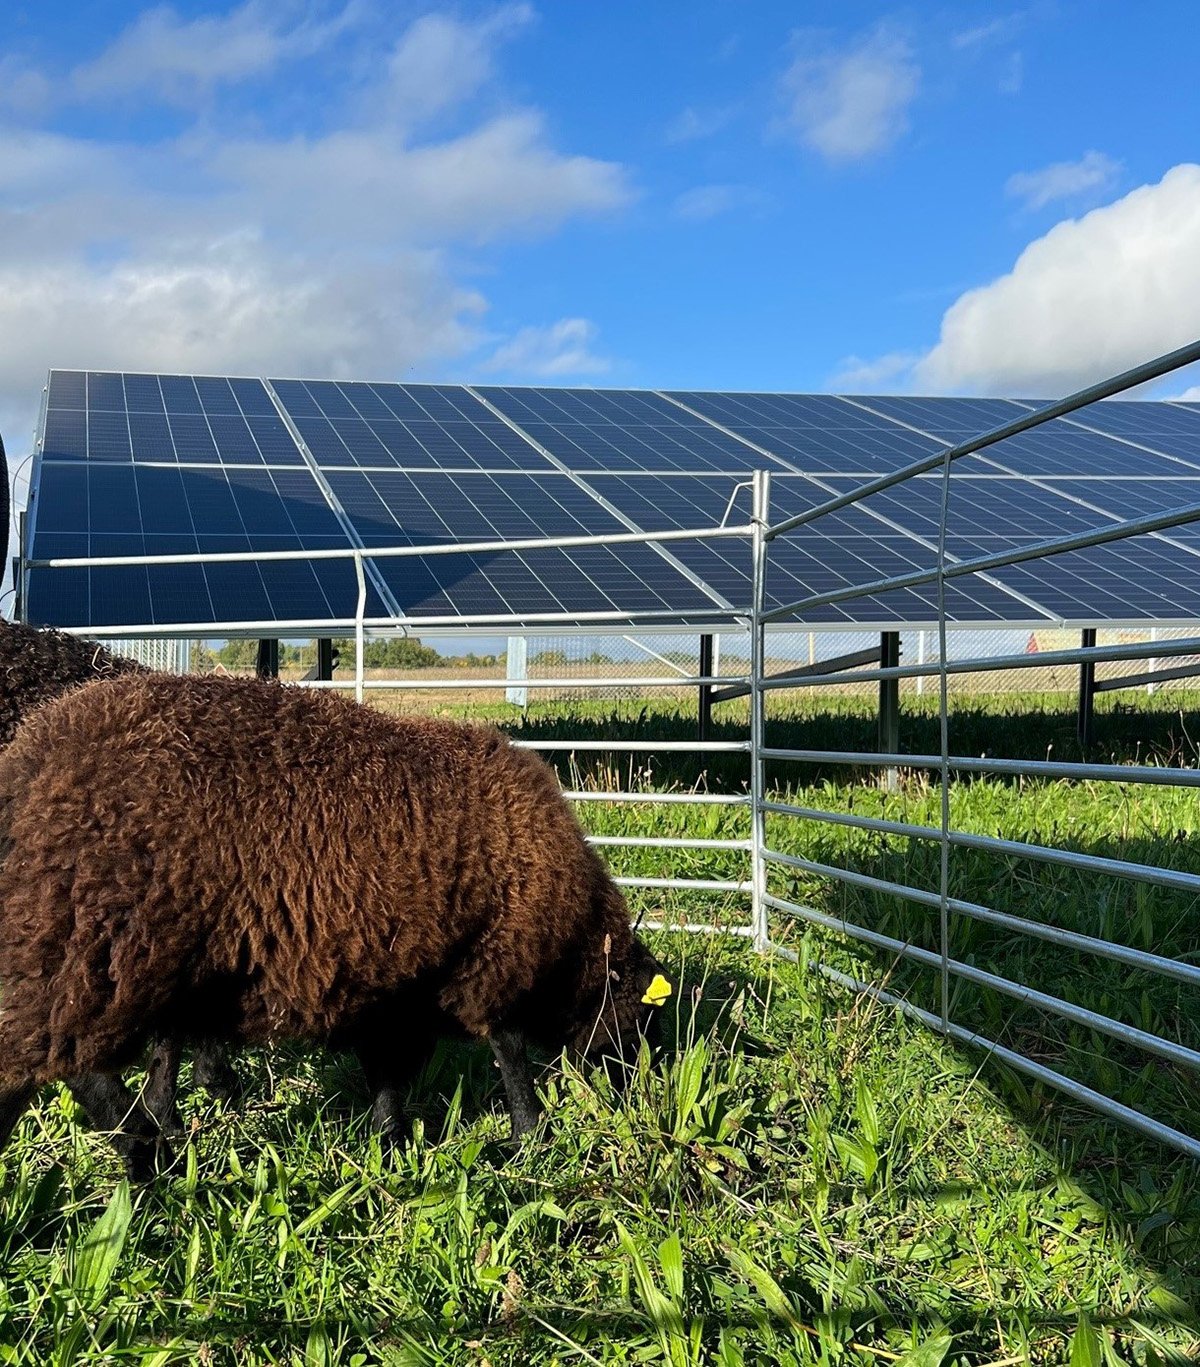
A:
[658, 991]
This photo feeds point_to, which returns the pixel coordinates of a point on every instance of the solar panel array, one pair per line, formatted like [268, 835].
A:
[134, 464]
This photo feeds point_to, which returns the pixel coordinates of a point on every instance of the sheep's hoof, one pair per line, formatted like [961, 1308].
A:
[147, 1159]
[524, 1128]
[172, 1125]
[218, 1078]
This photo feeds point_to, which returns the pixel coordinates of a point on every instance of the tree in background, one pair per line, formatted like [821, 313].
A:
[238, 654]
[403, 652]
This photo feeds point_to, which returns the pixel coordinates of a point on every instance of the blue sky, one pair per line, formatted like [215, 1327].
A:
[955, 198]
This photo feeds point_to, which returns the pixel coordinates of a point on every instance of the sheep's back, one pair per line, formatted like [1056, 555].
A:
[319, 854]
[36, 665]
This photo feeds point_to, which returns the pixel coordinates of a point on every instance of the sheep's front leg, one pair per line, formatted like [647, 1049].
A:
[212, 1070]
[13, 1104]
[162, 1079]
[114, 1110]
[389, 1067]
[509, 1049]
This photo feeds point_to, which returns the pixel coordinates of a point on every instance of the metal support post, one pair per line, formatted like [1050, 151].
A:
[1087, 691]
[706, 672]
[266, 666]
[19, 570]
[516, 669]
[360, 641]
[324, 657]
[758, 706]
[889, 702]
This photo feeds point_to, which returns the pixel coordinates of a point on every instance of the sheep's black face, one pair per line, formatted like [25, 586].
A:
[631, 1011]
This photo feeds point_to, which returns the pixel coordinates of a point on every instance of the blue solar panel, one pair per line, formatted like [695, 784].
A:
[1121, 499]
[836, 551]
[163, 419]
[1140, 580]
[814, 433]
[393, 508]
[1126, 579]
[411, 427]
[591, 407]
[952, 419]
[155, 464]
[586, 430]
[94, 509]
[1062, 447]
[1166, 428]
[980, 505]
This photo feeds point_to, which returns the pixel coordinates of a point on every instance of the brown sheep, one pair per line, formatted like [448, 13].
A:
[37, 665]
[241, 860]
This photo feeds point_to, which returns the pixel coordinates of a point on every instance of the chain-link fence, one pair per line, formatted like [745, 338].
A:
[625, 667]
[173, 657]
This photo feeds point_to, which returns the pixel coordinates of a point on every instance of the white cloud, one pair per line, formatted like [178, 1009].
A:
[553, 352]
[349, 250]
[689, 125]
[703, 202]
[981, 35]
[1092, 297]
[236, 304]
[1191, 395]
[850, 103]
[856, 375]
[371, 184]
[23, 88]
[1093, 172]
[177, 59]
[441, 61]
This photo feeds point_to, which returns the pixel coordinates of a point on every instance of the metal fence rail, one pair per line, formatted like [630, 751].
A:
[941, 960]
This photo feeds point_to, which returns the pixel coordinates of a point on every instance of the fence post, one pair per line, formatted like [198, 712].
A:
[1152, 665]
[758, 702]
[516, 670]
[704, 731]
[1087, 691]
[324, 657]
[266, 665]
[889, 703]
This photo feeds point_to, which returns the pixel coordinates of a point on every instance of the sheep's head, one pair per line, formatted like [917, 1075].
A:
[635, 995]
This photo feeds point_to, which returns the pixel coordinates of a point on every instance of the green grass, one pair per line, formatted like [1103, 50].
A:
[810, 1179]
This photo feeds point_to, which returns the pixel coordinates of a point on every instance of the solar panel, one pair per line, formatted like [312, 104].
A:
[142, 464]
[86, 509]
[1168, 429]
[408, 427]
[587, 430]
[814, 433]
[391, 508]
[952, 419]
[1098, 441]
[836, 551]
[168, 419]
